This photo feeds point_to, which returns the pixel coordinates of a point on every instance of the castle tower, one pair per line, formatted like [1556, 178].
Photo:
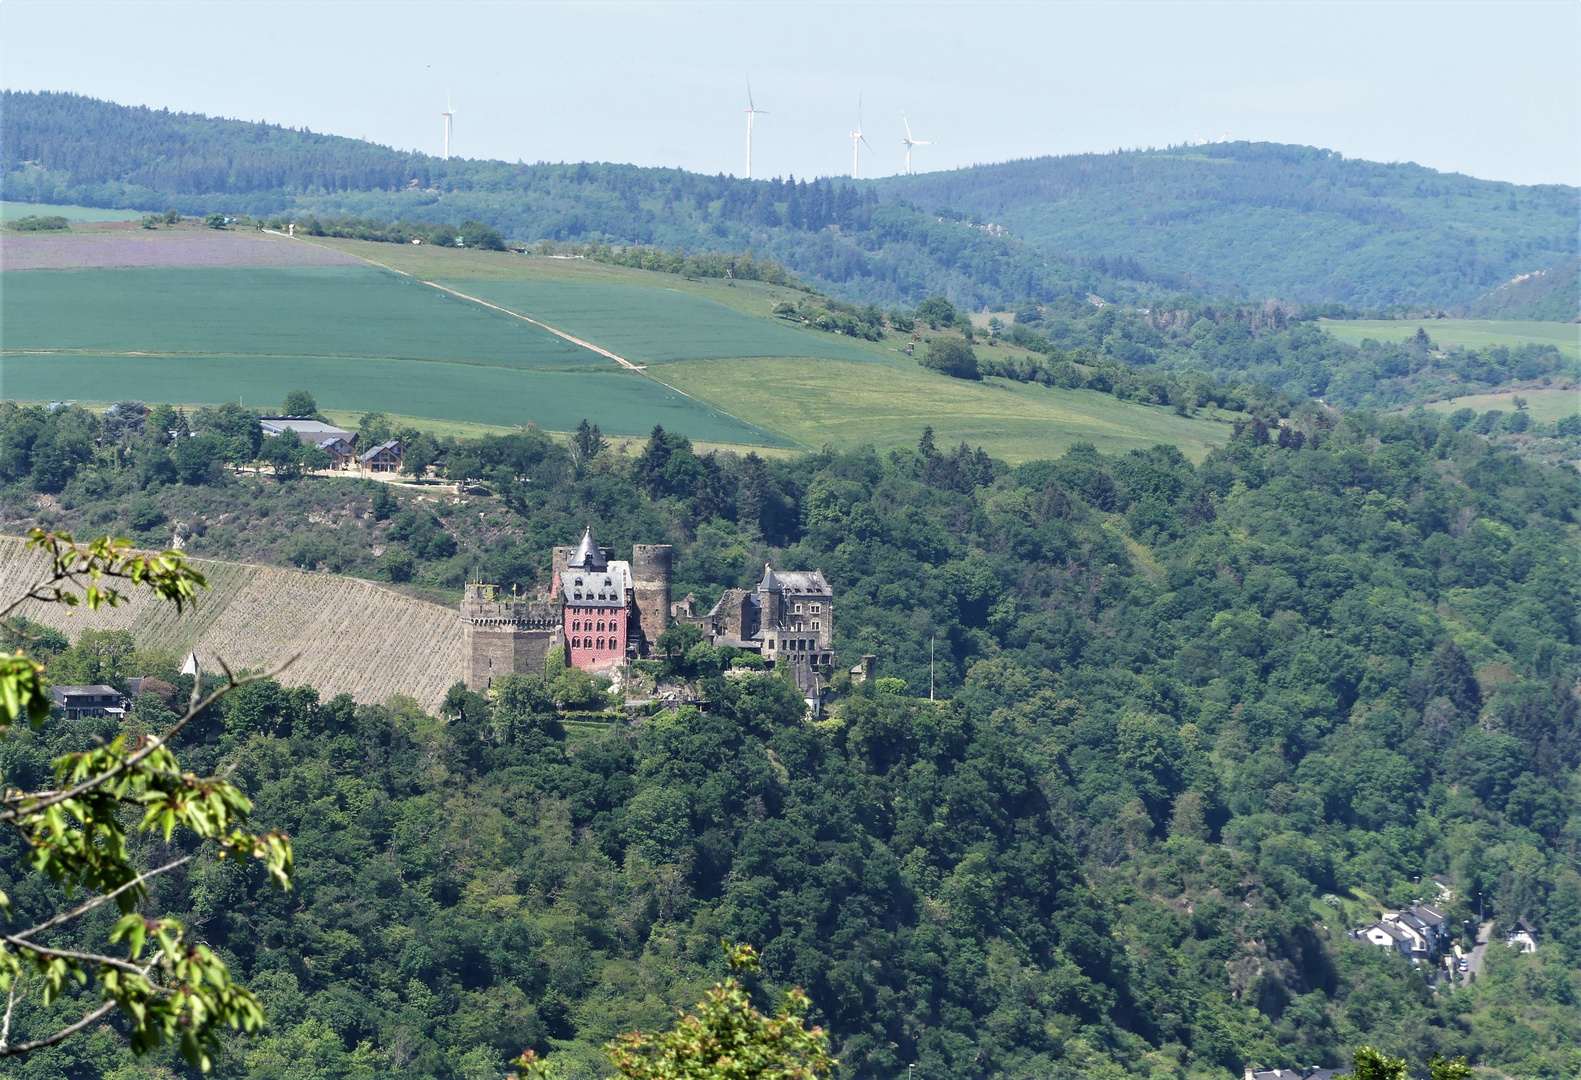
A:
[650, 574]
[505, 635]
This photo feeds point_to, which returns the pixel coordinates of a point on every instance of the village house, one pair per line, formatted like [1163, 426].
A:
[342, 455]
[1421, 932]
[384, 458]
[1311, 1073]
[1522, 937]
[80, 702]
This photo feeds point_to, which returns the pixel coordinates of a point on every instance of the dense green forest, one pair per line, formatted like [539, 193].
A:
[1265, 219]
[1245, 219]
[1195, 722]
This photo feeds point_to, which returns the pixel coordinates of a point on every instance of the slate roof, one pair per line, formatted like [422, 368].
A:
[393, 445]
[603, 588]
[96, 690]
[587, 556]
[798, 581]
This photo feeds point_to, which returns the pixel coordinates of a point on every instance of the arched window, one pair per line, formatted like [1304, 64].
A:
[600, 643]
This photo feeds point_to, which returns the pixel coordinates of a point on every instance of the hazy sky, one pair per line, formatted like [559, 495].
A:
[1489, 89]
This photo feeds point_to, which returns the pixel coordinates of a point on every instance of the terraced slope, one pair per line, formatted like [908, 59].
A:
[353, 636]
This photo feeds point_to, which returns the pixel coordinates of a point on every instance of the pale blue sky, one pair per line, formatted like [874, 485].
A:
[1490, 89]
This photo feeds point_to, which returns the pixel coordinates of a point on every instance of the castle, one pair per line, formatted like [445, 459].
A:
[605, 611]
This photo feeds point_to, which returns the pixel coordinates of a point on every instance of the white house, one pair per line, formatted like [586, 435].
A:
[1523, 937]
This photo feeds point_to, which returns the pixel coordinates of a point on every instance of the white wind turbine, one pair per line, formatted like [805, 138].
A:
[857, 139]
[447, 114]
[910, 142]
[752, 112]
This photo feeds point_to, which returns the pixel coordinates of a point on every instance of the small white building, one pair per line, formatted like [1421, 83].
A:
[1523, 937]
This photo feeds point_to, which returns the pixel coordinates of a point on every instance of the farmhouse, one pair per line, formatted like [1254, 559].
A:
[386, 457]
[80, 702]
[341, 453]
[312, 432]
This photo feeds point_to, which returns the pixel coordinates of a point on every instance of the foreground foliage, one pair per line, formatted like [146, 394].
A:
[73, 834]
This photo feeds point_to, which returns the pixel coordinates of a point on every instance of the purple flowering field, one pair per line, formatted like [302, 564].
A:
[124, 247]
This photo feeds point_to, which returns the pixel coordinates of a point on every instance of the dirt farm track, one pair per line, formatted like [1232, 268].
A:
[354, 637]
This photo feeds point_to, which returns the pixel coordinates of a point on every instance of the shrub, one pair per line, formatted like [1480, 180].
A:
[398, 565]
[953, 358]
[34, 223]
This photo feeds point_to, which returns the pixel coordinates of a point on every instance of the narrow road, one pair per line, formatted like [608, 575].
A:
[516, 315]
[1474, 958]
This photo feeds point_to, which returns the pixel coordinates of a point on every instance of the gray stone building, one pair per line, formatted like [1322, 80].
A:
[608, 611]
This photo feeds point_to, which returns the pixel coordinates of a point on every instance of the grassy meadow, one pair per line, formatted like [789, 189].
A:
[1545, 406]
[1470, 333]
[847, 405]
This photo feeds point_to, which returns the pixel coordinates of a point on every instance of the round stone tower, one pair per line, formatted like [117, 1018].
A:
[650, 580]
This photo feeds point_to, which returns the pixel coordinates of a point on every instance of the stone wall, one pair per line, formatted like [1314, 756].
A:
[650, 574]
[504, 635]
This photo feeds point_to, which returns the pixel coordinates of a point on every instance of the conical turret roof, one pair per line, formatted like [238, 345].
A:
[770, 582]
[587, 556]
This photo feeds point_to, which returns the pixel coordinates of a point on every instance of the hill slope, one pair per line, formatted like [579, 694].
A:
[1291, 221]
[256, 617]
[1553, 293]
[1294, 222]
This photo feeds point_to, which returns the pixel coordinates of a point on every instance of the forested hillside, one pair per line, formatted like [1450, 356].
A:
[1267, 219]
[1195, 722]
[1257, 220]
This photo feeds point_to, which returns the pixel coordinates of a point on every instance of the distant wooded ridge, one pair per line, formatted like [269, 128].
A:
[1252, 220]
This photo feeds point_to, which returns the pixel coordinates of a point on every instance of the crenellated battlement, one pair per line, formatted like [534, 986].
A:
[505, 633]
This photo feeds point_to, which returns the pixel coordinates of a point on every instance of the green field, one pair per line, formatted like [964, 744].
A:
[1470, 333]
[431, 263]
[654, 325]
[362, 338]
[329, 311]
[846, 405]
[1544, 405]
[10, 211]
[620, 402]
